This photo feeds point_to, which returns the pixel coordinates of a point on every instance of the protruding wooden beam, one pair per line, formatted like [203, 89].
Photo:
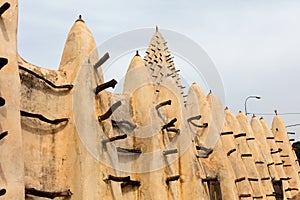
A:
[291, 133]
[124, 150]
[246, 155]
[125, 180]
[227, 133]
[259, 162]
[191, 119]
[202, 148]
[257, 197]
[172, 178]
[4, 8]
[2, 101]
[207, 179]
[102, 60]
[117, 178]
[285, 179]
[2, 191]
[112, 83]
[207, 151]
[240, 135]
[230, 152]
[171, 151]
[290, 189]
[69, 86]
[45, 194]
[197, 117]
[278, 151]
[203, 155]
[118, 137]
[3, 135]
[169, 124]
[110, 111]
[169, 59]
[284, 156]
[253, 179]
[3, 62]
[42, 118]
[168, 102]
[244, 195]
[131, 183]
[271, 195]
[240, 179]
[287, 165]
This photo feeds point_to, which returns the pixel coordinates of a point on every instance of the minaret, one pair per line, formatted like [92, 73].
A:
[257, 154]
[290, 165]
[80, 47]
[160, 64]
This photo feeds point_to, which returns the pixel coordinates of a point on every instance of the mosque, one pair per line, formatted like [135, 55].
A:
[64, 135]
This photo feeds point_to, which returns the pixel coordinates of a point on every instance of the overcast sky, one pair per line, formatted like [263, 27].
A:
[255, 45]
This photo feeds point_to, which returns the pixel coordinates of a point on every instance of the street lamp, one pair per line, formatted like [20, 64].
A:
[250, 97]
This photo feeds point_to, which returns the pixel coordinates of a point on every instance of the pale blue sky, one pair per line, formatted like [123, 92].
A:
[255, 45]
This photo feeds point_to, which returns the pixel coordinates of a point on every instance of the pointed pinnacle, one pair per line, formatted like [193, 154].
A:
[156, 28]
[80, 19]
[137, 53]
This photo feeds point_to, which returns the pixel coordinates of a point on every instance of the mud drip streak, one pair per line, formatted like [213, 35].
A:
[42, 118]
[68, 86]
[49, 195]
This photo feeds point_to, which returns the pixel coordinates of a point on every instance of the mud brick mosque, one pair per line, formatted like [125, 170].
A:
[63, 135]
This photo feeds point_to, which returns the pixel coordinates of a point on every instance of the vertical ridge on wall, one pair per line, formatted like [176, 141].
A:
[11, 148]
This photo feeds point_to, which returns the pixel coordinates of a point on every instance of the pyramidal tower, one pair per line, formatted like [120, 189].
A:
[160, 64]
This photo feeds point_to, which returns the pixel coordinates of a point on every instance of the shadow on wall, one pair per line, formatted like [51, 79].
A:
[296, 147]
[41, 128]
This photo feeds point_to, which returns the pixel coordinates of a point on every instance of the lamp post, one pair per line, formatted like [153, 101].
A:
[250, 97]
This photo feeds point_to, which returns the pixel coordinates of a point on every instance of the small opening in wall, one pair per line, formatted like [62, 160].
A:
[277, 185]
[214, 189]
